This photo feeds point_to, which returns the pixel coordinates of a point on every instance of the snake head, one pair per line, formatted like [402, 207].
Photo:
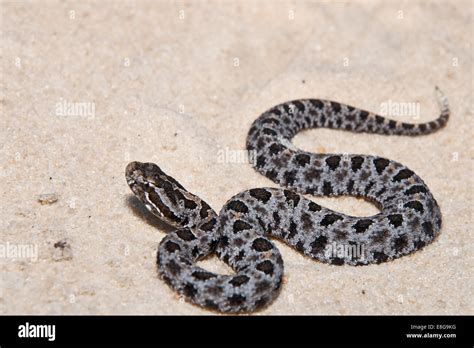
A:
[162, 195]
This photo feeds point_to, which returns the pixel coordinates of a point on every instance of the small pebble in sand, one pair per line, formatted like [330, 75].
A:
[62, 250]
[47, 198]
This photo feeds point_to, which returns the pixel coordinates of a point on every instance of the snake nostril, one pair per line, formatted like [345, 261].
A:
[131, 167]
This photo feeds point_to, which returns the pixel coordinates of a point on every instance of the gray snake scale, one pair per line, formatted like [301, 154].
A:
[409, 216]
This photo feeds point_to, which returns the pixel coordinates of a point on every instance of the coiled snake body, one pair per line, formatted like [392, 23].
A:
[409, 215]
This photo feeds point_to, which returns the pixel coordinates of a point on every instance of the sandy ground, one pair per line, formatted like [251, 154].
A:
[89, 86]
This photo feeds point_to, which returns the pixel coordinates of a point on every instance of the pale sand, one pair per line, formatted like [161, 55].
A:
[175, 91]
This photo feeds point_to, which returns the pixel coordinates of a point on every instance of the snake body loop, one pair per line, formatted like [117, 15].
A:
[409, 215]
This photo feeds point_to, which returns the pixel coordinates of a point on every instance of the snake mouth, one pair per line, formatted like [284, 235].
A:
[134, 168]
[144, 177]
[136, 176]
[132, 173]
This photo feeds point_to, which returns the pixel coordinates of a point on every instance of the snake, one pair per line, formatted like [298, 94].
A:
[409, 217]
